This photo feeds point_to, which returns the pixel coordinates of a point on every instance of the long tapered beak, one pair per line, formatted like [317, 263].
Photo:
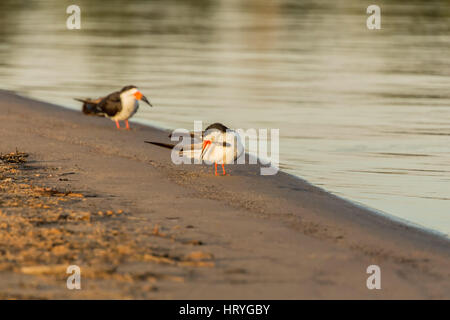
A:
[139, 96]
[206, 143]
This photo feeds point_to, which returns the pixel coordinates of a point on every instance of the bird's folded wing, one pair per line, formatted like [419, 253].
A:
[111, 104]
[222, 144]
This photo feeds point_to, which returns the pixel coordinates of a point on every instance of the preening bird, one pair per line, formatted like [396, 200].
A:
[118, 106]
[218, 145]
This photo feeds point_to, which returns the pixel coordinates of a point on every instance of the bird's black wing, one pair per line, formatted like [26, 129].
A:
[160, 144]
[111, 104]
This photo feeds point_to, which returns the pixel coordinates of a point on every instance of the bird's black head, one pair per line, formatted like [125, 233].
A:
[137, 94]
[217, 126]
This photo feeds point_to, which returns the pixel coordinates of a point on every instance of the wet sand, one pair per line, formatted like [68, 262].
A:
[86, 194]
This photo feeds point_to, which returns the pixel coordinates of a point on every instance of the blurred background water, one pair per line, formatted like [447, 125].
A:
[363, 113]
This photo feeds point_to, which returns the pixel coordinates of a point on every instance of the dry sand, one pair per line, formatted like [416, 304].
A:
[140, 227]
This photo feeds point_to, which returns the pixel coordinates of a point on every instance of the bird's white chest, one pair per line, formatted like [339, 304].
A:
[129, 107]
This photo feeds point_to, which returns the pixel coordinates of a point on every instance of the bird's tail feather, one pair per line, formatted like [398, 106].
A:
[90, 107]
[192, 151]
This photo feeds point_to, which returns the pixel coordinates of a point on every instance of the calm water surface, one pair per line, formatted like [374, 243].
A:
[364, 114]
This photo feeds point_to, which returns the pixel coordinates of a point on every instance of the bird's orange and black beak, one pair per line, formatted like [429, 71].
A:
[206, 143]
[139, 96]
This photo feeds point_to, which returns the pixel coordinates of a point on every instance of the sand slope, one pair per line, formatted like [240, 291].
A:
[178, 231]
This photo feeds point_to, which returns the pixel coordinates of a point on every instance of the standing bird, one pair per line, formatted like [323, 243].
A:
[219, 145]
[118, 106]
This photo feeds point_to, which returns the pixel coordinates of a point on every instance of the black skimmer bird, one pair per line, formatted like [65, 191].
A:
[219, 145]
[118, 106]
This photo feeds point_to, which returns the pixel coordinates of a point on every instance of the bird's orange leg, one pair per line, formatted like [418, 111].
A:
[127, 124]
[117, 124]
[215, 168]
[223, 169]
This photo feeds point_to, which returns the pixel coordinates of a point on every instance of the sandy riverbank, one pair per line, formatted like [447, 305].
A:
[141, 227]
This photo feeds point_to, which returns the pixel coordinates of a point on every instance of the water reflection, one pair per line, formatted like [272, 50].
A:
[364, 114]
